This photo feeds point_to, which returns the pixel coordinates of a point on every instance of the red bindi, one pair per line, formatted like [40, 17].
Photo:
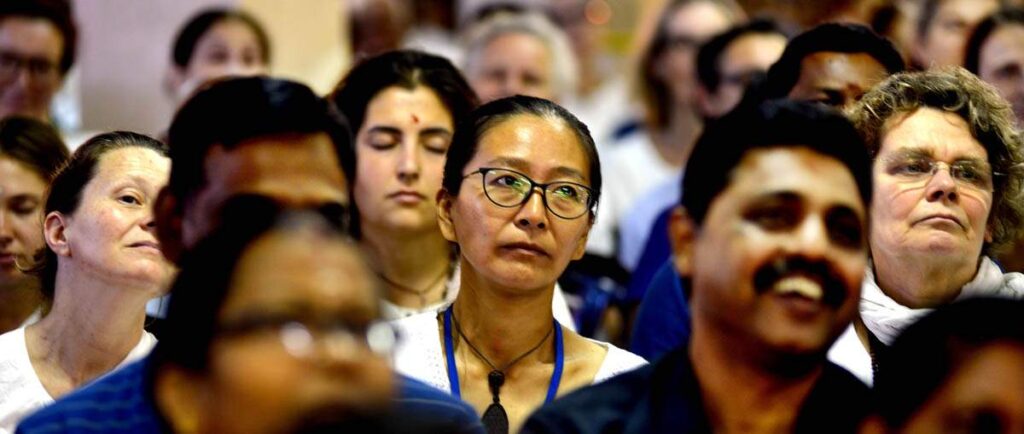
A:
[415, 119]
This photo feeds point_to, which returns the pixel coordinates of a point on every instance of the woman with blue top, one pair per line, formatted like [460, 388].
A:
[518, 199]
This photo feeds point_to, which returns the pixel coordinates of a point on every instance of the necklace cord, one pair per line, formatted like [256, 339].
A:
[458, 329]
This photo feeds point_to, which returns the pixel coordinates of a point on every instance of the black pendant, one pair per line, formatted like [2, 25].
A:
[495, 420]
[495, 379]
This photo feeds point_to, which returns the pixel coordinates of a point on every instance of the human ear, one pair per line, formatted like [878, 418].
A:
[167, 212]
[444, 215]
[681, 234]
[55, 233]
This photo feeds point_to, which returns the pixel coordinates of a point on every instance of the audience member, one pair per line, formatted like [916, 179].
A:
[770, 237]
[216, 43]
[832, 64]
[101, 264]
[730, 61]
[403, 106]
[943, 27]
[251, 136]
[30, 153]
[513, 245]
[959, 369]
[726, 65]
[519, 53]
[37, 48]
[657, 153]
[262, 338]
[995, 52]
[946, 165]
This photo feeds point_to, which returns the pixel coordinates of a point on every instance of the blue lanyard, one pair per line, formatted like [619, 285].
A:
[453, 372]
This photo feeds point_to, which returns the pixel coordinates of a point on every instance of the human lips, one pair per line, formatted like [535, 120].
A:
[525, 248]
[407, 196]
[810, 282]
[7, 259]
[146, 245]
[939, 218]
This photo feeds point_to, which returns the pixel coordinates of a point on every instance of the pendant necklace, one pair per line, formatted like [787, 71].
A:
[421, 293]
[495, 419]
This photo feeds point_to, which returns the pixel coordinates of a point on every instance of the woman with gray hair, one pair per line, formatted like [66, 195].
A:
[947, 174]
[510, 53]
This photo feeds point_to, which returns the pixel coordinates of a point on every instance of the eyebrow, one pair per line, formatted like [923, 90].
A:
[397, 132]
[522, 165]
[927, 153]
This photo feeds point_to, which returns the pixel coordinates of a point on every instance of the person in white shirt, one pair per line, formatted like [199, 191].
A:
[948, 179]
[101, 263]
[518, 197]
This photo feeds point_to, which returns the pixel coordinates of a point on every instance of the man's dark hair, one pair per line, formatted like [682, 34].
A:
[58, 13]
[772, 124]
[229, 112]
[831, 37]
[931, 350]
[710, 55]
[984, 30]
[197, 27]
[467, 136]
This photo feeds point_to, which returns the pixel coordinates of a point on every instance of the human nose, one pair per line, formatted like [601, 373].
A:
[941, 185]
[408, 163]
[811, 238]
[6, 234]
[533, 212]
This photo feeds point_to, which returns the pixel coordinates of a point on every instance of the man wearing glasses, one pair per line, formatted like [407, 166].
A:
[37, 48]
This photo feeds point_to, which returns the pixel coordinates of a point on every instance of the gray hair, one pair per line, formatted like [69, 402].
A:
[563, 59]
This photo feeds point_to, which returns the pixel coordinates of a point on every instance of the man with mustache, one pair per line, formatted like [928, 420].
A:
[770, 242]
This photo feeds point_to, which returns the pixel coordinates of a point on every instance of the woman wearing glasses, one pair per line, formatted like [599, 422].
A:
[947, 175]
[403, 106]
[518, 198]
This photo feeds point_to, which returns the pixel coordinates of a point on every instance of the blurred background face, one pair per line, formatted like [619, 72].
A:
[981, 396]
[690, 25]
[112, 233]
[836, 79]
[228, 48]
[292, 299]
[30, 51]
[21, 204]
[295, 170]
[943, 42]
[746, 57]
[513, 64]
[400, 154]
[1001, 63]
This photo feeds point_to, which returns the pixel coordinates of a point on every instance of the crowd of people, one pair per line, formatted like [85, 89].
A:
[787, 216]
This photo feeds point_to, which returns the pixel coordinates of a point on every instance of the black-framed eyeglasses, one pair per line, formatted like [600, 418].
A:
[508, 188]
[301, 337]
